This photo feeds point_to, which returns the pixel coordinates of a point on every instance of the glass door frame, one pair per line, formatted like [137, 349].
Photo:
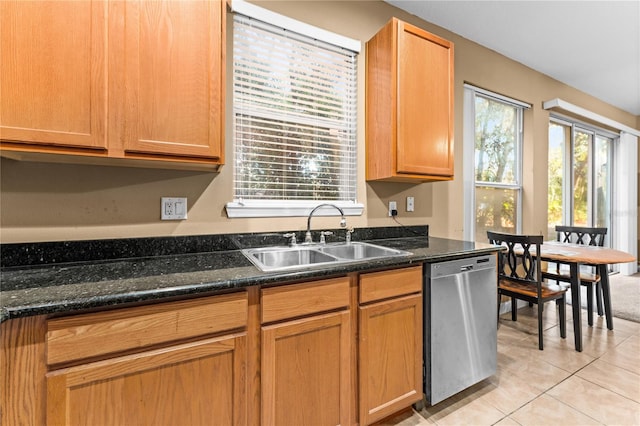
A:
[568, 172]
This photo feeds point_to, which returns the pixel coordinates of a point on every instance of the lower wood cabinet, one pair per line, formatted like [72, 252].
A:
[198, 383]
[175, 363]
[390, 342]
[345, 350]
[306, 362]
[306, 371]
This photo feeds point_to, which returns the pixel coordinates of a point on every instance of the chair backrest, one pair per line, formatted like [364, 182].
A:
[521, 261]
[581, 235]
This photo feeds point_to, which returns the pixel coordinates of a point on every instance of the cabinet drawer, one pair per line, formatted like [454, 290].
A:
[92, 335]
[290, 301]
[385, 284]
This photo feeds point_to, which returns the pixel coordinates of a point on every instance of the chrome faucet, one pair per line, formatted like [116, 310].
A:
[347, 237]
[343, 221]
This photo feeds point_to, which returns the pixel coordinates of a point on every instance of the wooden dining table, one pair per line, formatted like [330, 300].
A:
[575, 255]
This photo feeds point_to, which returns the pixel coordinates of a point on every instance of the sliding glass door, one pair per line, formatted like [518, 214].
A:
[580, 160]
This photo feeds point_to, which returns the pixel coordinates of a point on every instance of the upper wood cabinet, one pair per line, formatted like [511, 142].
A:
[54, 70]
[409, 105]
[173, 81]
[136, 80]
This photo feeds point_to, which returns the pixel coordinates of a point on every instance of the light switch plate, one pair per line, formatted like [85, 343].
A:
[173, 208]
[410, 204]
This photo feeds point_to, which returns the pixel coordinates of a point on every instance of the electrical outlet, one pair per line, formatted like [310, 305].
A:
[393, 206]
[173, 208]
[410, 204]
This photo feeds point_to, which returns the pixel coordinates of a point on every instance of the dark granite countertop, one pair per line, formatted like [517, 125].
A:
[46, 278]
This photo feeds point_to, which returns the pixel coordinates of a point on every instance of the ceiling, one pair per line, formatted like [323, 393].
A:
[593, 46]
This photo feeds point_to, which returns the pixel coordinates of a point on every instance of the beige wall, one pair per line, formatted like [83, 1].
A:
[45, 202]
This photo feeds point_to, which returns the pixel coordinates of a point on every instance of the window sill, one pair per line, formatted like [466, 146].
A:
[277, 208]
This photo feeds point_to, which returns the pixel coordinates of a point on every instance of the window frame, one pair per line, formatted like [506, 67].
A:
[252, 208]
[469, 182]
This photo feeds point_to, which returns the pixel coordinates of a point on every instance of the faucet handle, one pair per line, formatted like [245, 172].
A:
[323, 234]
[347, 237]
[291, 235]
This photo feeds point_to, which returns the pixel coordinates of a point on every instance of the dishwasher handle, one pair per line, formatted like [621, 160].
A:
[460, 266]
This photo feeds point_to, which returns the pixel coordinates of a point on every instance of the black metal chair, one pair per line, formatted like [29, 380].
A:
[588, 276]
[520, 277]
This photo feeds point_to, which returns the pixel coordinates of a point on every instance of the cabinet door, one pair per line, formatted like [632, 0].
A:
[173, 72]
[390, 357]
[53, 79]
[306, 371]
[425, 103]
[199, 383]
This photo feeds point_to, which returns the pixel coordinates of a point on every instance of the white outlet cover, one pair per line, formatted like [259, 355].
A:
[392, 206]
[173, 208]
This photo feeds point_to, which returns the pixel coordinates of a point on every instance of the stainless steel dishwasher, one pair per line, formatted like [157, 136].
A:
[460, 325]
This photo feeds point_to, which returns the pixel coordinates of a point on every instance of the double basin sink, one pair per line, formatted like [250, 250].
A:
[305, 256]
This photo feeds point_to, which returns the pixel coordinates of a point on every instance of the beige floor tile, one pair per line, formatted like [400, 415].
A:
[511, 356]
[625, 326]
[597, 402]
[476, 412]
[507, 421]
[546, 410]
[620, 326]
[509, 393]
[407, 418]
[555, 386]
[509, 333]
[596, 341]
[540, 374]
[562, 352]
[616, 379]
[625, 355]
[528, 319]
[457, 401]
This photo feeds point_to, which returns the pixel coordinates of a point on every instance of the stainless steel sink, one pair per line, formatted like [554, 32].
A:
[269, 259]
[304, 256]
[357, 251]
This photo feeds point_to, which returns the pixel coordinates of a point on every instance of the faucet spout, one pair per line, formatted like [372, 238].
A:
[343, 220]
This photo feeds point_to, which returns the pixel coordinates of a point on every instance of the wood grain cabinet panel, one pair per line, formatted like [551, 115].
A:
[295, 300]
[409, 101]
[140, 82]
[200, 383]
[97, 334]
[390, 348]
[22, 371]
[174, 68]
[306, 371]
[386, 284]
[54, 70]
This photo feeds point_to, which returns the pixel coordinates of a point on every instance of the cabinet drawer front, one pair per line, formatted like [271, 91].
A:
[91, 335]
[296, 300]
[385, 284]
[186, 384]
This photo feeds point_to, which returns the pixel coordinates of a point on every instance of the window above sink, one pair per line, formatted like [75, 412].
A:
[294, 116]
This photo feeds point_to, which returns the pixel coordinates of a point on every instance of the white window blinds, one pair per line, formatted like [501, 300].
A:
[294, 109]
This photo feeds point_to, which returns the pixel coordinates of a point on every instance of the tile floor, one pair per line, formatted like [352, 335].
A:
[599, 386]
